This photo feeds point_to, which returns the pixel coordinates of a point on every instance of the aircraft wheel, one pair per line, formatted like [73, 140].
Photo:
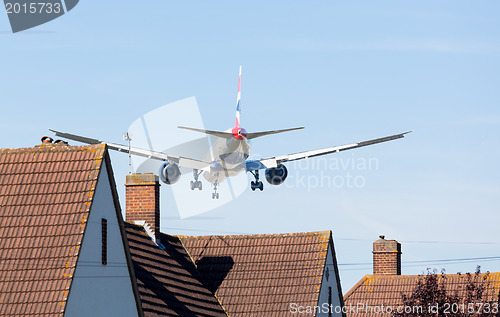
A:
[261, 186]
[253, 185]
[213, 195]
[191, 184]
[199, 185]
[217, 195]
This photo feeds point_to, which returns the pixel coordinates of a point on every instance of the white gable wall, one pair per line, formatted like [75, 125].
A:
[329, 280]
[101, 290]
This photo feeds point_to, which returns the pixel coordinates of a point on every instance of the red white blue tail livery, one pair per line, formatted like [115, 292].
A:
[238, 97]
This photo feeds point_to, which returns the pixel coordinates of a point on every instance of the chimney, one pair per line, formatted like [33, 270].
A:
[143, 201]
[386, 257]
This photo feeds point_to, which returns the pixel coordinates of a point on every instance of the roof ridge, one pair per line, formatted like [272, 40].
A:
[406, 276]
[260, 235]
[51, 147]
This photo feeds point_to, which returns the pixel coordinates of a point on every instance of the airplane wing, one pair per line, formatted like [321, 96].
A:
[182, 161]
[275, 161]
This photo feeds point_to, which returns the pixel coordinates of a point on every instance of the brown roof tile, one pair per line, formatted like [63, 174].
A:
[167, 279]
[378, 290]
[260, 275]
[45, 195]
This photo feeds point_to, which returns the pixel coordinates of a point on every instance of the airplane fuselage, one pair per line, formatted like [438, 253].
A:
[229, 158]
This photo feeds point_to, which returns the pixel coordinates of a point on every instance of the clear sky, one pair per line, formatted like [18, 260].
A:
[346, 70]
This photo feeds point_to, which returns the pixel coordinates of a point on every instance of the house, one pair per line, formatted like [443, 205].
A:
[62, 242]
[250, 275]
[380, 293]
[65, 250]
[270, 274]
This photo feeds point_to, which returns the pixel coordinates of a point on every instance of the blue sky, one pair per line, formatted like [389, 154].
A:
[347, 71]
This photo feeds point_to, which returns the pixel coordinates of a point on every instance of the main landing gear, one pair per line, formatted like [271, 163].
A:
[257, 184]
[196, 183]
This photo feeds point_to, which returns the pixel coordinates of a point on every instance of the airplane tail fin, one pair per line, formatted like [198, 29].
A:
[237, 124]
[237, 132]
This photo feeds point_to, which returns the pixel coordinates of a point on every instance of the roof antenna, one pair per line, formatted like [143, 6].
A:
[127, 137]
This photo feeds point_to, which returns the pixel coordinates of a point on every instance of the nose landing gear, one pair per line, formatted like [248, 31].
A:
[215, 194]
[257, 184]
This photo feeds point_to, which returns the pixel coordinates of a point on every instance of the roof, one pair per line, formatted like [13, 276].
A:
[260, 275]
[387, 290]
[167, 279]
[45, 196]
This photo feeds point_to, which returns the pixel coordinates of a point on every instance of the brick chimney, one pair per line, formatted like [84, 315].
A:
[143, 200]
[386, 257]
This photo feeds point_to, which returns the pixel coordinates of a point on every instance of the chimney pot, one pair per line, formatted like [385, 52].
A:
[386, 257]
[47, 139]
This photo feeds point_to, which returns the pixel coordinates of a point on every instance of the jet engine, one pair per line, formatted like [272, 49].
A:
[169, 173]
[276, 175]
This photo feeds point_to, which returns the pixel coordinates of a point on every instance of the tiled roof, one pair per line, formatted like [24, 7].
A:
[45, 197]
[378, 290]
[168, 282]
[260, 275]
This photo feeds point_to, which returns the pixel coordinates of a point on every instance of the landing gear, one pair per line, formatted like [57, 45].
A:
[257, 184]
[215, 194]
[196, 183]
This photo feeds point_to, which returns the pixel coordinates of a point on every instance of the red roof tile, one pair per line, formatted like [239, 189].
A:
[45, 196]
[260, 275]
[378, 290]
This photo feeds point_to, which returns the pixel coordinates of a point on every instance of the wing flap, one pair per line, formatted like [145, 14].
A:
[194, 164]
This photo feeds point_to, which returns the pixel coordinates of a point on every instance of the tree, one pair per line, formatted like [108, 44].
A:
[433, 296]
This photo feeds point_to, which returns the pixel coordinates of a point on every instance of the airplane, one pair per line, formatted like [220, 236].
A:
[231, 152]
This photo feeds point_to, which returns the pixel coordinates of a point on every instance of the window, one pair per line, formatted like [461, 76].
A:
[104, 241]
[330, 302]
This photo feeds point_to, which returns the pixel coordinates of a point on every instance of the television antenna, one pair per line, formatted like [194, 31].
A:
[127, 137]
